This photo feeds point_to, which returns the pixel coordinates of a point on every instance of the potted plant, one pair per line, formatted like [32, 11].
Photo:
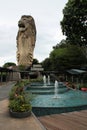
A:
[19, 101]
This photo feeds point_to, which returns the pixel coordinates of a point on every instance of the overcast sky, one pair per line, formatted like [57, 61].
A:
[47, 15]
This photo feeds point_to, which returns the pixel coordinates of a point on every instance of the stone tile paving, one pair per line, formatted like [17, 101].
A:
[4, 90]
[9, 123]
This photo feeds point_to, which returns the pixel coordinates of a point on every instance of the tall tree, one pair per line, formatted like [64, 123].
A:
[9, 64]
[46, 64]
[35, 61]
[67, 57]
[74, 23]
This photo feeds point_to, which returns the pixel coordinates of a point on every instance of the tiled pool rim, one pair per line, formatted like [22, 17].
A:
[42, 111]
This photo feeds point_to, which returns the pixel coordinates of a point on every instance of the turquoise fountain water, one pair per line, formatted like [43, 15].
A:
[52, 98]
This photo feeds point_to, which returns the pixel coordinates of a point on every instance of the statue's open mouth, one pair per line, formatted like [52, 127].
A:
[21, 26]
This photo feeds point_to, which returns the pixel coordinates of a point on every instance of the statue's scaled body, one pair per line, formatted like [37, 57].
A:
[26, 38]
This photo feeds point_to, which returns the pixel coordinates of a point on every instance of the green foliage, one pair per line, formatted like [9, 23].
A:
[9, 64]
[18, 105]
[21, 67]
[19, 100]
[35, 61]
[67, 57]
[46, 64]
[36, 80]
[83, 85]
[22, 83]
[74, 23]
[62, 44]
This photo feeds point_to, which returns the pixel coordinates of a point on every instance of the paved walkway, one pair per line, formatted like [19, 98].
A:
[9, 123]
[76, 120]
[4, 90]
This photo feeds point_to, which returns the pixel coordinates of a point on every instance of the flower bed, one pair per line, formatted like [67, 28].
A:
[19, 101]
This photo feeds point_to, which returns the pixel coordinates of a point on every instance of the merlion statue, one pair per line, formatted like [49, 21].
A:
[26, 38]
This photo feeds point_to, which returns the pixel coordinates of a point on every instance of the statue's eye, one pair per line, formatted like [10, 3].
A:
[24, 19]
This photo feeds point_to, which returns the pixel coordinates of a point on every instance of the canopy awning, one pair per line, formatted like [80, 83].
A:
[76, 71]
[2, 69]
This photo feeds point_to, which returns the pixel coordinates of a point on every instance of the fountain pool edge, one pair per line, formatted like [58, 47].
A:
[42, 111]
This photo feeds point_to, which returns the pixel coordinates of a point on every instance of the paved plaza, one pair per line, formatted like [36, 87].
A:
[9, 123]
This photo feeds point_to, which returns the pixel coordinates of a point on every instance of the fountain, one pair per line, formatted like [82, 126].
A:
[48, 80]
[44, 81]
[56, 89]
[55, 98]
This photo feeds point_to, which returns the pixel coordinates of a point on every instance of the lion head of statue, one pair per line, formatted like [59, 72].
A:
[26, 22]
